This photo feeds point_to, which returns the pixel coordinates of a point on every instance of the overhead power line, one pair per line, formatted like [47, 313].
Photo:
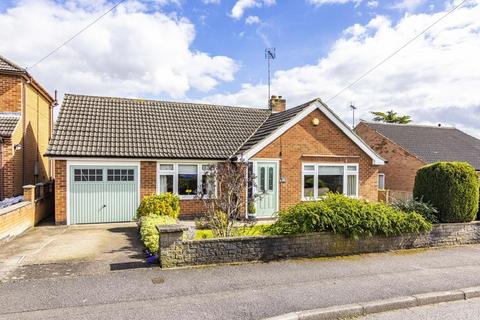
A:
[75, 35]
[351, 84]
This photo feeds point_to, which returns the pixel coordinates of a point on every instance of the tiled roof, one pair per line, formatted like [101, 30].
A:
[90, 126]
[275, 121]
[8, 123]
[432, 143]
[9, 66]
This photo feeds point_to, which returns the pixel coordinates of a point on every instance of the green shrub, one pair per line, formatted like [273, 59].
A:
[451, 187]
[164, 204]
[149, 232]
[350, 217]
[426, 210]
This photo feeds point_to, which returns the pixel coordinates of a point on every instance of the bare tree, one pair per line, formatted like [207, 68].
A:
[224, 187]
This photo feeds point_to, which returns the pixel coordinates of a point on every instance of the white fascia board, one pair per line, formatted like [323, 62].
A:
[377, 160]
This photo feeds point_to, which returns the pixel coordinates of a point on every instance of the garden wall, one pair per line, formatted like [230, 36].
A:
[175, 252]
[37, 205]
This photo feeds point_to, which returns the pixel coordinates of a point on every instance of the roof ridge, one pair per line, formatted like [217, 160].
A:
[408, 125]
[166, 101]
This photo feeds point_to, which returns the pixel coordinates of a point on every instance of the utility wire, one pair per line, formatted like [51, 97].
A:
[395, 52]
[75, 35]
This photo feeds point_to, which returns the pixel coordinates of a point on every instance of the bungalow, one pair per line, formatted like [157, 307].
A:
[111, 152]
[409, 147]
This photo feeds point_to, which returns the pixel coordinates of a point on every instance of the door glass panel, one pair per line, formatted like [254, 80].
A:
[87, 175]
[270, 179]
[262, 179]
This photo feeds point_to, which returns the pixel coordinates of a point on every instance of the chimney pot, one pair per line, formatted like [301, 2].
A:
[277, 104]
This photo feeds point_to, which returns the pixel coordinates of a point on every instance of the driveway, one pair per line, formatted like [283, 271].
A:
[71, 250]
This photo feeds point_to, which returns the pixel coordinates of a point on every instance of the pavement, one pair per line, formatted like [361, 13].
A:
[48, 251]
[247, 291]
[458, 310]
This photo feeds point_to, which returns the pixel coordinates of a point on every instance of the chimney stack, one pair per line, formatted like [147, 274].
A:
[277, 104]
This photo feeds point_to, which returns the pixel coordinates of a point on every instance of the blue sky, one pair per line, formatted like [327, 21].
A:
[213, 51]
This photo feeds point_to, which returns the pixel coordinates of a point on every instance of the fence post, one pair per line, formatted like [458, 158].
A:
[29, 193]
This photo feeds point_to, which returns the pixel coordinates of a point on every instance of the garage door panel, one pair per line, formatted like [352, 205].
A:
[103, 194]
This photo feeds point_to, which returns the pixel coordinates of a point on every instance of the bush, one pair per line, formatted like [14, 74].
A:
[350, 217]
[426, 210]
[164, 204]
[451, 187]
[149, 232]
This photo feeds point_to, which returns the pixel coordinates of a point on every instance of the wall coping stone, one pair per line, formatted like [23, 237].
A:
[171, 228]
[14, 207]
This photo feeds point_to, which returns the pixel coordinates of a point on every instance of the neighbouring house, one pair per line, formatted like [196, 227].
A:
[408, 147]
[111, 152]
[25, 130]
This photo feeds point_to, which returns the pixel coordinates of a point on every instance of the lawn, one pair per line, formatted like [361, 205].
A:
[244, 231]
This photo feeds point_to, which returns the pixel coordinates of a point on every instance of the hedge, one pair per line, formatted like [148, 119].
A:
[350, 217]
[163, 204]
[451, 187]
[148, 230]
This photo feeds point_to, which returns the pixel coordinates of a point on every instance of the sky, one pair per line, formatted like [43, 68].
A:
[213, 51]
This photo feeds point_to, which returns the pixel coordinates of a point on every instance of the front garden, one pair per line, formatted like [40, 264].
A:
[444, 193]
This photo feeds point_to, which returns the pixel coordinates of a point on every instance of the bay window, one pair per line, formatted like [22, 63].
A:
[184, 179]
[319, 179]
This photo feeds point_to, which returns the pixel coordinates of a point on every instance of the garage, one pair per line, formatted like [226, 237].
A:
[100, 194]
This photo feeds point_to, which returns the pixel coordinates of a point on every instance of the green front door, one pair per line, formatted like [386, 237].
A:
[100, 194]
[267, 189]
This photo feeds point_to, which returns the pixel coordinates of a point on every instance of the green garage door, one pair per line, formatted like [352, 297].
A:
[103, 194]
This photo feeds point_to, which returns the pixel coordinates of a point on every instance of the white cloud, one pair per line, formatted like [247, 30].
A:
[435, 79]
[129, 52]
[328, 2]
[242, 5]
[252, 20]
[372, 4]
[211, 1]
[408, 5]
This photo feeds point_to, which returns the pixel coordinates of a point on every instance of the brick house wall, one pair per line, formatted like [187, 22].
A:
[299, 143]
[27, 165]
[10, 93]
[60, 191]
[402, 166]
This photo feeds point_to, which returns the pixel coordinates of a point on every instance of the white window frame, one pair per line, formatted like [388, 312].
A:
[314, 172]
[378, 181]
[174, 172]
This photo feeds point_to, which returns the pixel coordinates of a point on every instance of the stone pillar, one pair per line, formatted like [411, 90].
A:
[169, 248]
[29, 193]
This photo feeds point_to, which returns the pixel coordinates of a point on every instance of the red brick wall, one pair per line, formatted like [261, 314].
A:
[60, 191]
[325, 139]
[10, 93]
[402, 166]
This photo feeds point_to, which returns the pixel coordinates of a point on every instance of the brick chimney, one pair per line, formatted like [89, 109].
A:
[277, 104]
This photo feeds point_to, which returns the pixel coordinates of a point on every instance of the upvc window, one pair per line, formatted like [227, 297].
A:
[319, 179]
[381, 181]
[184, 179]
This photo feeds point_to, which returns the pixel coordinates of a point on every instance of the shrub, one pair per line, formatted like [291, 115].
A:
[451, 187]
[350, 217]
[149, 232]
[164, 204]
[426, 210]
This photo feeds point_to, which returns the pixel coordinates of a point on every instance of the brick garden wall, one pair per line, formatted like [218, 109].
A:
[175, 252]
[401, 168]
[325, 139]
